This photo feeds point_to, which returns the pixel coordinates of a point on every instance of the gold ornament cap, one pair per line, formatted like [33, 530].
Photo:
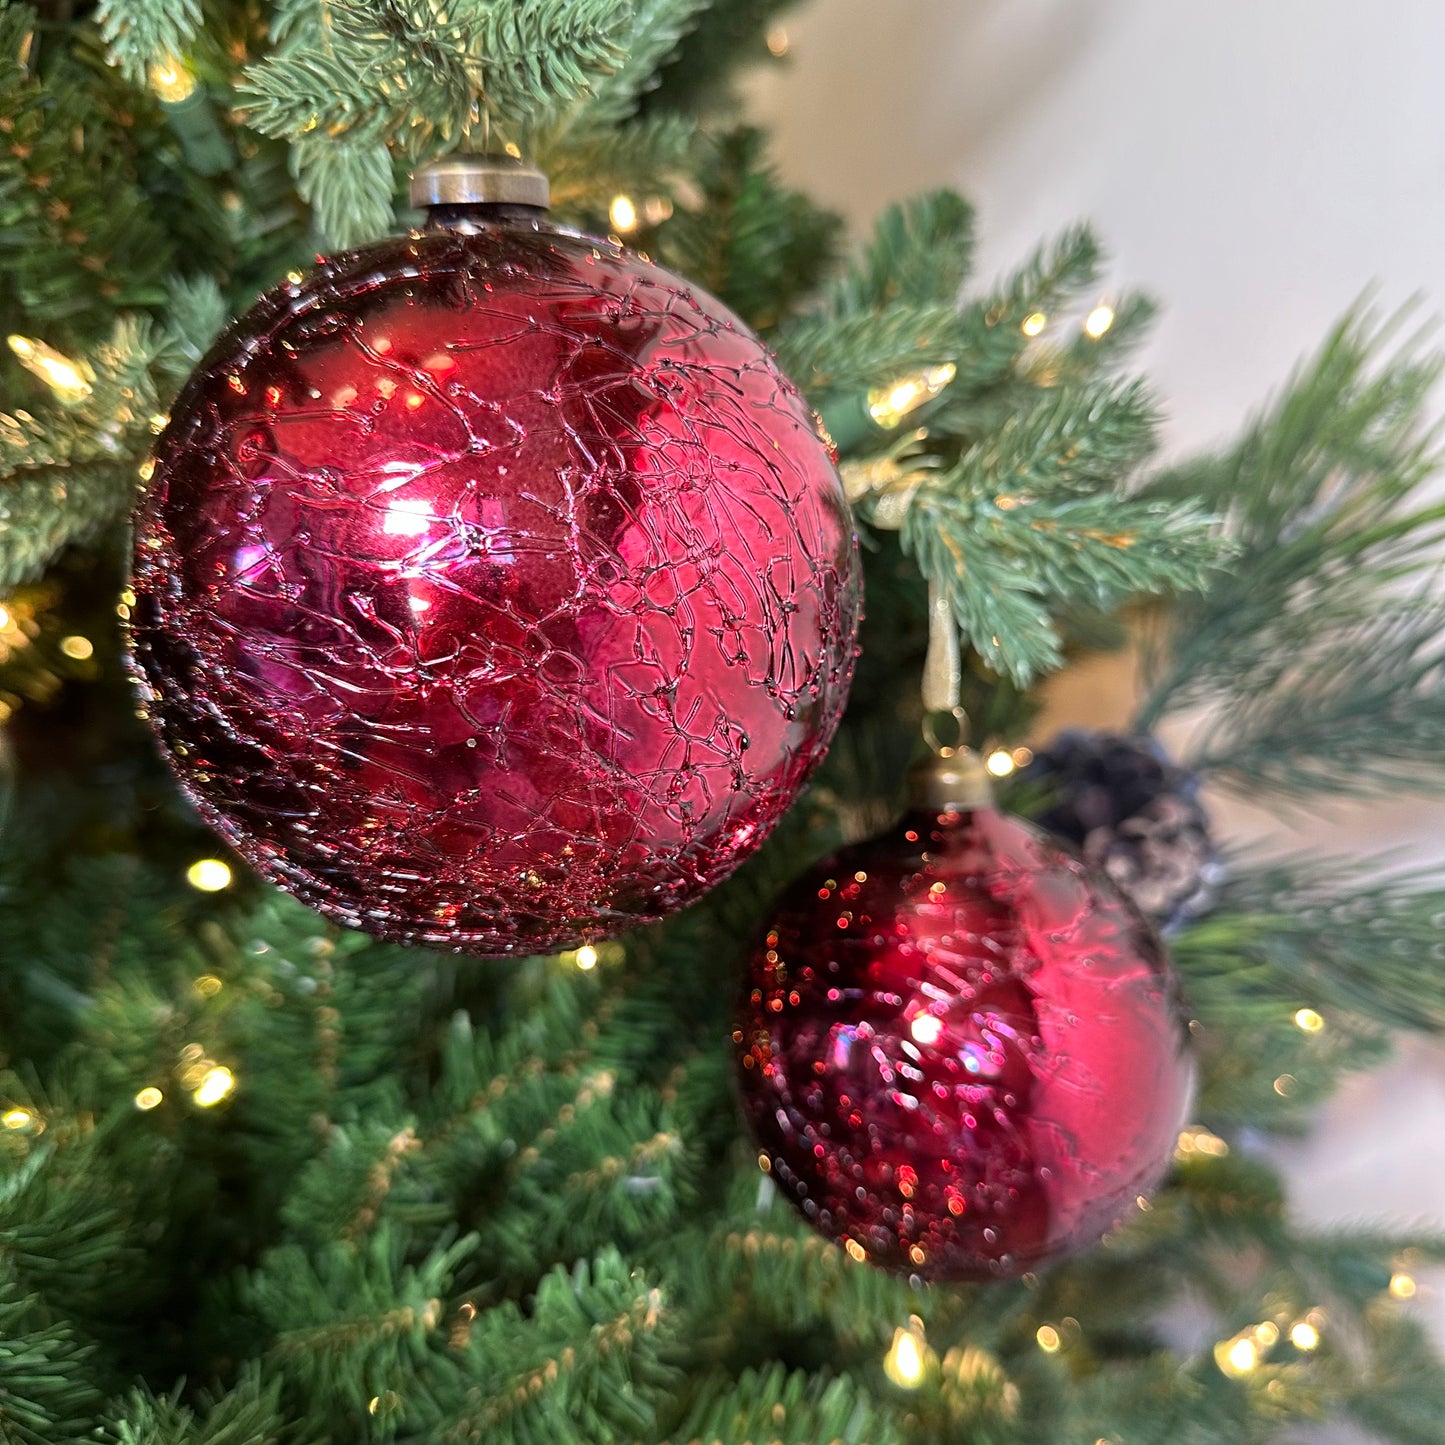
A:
[952, 781]
[479, 180]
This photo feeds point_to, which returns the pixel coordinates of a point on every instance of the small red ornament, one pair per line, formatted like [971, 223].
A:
[962, 1051]
[494, 589]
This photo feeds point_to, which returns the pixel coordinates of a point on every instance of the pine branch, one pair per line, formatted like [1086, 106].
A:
[586, 1366]
[66, 472]
[1315, 621]
[658, 28]
[142, 33]
[1031, 522]
[785, 1408]
[79, 236]
[48, 1392]
[919, 255]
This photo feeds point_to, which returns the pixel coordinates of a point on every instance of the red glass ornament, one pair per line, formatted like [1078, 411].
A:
[962, 1050]
[494, 589]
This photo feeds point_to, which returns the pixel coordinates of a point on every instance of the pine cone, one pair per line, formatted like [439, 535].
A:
[1130, 811]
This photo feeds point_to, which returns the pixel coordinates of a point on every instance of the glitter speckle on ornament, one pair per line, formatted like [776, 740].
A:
[962, 1052]
[493, 588]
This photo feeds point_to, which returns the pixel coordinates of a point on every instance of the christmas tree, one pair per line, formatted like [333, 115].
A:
[270, 1179]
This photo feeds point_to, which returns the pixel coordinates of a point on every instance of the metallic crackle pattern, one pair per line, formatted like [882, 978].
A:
[494, 589]
[962, 1052]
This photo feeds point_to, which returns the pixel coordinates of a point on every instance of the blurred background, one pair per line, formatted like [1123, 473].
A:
[1256, 168]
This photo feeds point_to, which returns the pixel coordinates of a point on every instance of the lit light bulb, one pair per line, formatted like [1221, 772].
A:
[586, 957]
[1304, 1336]
[1034, 323]
[1098, 321]
[148, 1099]
[1403, 1286]
[1308, 1020]
[1237, 1356]
[888, 405]
[79, 648]
[216, 1084]
[63, 376]
[906, 1361]
[17, 1119]
[623, 214]
[209, 875]
[778, 42]
[171, 81]
[1000, 763]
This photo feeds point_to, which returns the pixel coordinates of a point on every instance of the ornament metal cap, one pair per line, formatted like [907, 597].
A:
[479, 180]
[953, 780]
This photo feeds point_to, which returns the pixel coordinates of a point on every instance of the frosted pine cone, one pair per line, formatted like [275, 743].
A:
[1130, 811]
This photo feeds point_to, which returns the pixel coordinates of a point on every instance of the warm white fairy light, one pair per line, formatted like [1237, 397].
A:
[1308, 1020]
[623, 214]
[171, 81]
[778, 42]
[906, 1362]
[1403, 1286]
[1098, 321]
[1000, 763]
[209, 875]
[216, 1084]
[888, 405]
[148, 1099]
[1034, 323]
[1049, 1340]
[1304, 1336]
[586, 957]
[79, 648]
[63, 376]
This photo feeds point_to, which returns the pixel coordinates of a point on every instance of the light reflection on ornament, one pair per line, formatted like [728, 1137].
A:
[406, 517]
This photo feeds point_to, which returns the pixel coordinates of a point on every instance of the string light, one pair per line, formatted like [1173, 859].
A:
[1304, 1336]
[171, 81]
[208, 985]
[1034, 323]
[216, 1084]
[1403, 1286]
[1000, 763]
[148, 1099]
[888, 405]
[209, 875]
[1199, 1141]
[1284, 1085]
[623, 214]
[1098, 321]
[778, 42]
[17, 1119]
[63, 376]
[1237, 1356]
[1049, 1339]
[906, 1362]
[1308, 1020]
[79, 648]
[1023, 757]
[586, 957]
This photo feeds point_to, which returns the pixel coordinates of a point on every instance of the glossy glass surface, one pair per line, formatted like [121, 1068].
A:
[494, 590]
[962, 1052]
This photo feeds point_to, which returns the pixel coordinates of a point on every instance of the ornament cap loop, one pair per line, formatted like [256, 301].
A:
[479, 180]
[954, 781]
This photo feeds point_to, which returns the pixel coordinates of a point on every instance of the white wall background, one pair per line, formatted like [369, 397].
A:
[1256, 165]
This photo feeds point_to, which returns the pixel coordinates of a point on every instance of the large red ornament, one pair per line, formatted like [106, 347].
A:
[962, 1051]
[494, 589]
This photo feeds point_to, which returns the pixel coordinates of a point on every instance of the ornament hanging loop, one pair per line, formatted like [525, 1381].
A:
[958, 731]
